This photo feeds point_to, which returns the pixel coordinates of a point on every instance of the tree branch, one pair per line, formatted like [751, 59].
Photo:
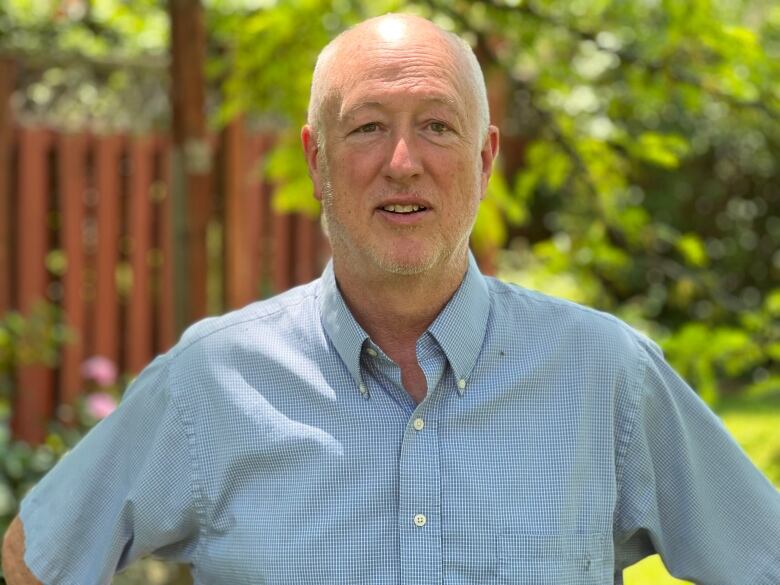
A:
[528, 9]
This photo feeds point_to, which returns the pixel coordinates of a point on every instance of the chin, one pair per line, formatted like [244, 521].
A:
[407, 264]
[404, 268]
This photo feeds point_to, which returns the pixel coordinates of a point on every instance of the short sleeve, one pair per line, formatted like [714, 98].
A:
[124, 491]
[688, 492]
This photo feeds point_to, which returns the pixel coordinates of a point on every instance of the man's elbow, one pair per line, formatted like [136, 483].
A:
[14, 569]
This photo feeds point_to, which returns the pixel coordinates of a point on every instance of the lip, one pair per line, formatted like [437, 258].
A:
[402, 199]
[404, 218]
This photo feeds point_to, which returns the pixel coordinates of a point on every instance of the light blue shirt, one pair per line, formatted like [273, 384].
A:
[277, 445]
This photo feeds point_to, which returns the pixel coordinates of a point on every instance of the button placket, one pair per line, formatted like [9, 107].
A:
[420, 500]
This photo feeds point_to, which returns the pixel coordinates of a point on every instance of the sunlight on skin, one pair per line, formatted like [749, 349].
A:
[392, 29]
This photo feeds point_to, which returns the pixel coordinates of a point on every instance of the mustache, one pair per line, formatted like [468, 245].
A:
[384, 195]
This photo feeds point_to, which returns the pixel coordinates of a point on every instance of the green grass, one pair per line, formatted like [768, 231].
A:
[754, 423]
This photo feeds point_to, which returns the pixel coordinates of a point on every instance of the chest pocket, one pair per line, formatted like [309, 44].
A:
[572, 559]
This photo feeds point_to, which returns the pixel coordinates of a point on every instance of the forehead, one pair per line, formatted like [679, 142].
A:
[382, 74]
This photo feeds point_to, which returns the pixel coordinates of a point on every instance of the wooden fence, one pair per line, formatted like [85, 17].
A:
[85, 222]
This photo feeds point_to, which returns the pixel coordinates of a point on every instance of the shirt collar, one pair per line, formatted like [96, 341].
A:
[345, 333]
[459, 328]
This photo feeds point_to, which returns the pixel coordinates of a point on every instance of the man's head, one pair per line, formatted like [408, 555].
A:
[325, 88]
[398, 145]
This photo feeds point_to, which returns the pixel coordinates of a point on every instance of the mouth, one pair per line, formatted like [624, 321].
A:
[403, 209]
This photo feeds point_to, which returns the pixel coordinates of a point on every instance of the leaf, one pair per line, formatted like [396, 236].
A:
[513, 209]
[692, 249]
[663, 150]
[772, 303]
[773, 351]
[296, 196]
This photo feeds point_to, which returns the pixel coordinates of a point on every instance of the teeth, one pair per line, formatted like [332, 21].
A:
[403, 208]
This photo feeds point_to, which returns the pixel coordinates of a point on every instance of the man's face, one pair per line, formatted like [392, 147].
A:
[403, 167]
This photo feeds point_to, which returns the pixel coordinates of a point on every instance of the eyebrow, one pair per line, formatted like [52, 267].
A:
[353, 110]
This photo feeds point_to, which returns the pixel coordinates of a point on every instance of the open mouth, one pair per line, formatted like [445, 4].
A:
[403, 209]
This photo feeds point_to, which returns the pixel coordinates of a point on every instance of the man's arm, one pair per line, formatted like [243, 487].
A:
[689, 492]
[16, 572]
[124, 491]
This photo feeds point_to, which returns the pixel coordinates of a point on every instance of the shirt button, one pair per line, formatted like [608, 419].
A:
[462, 383]
[362, 388]
[418, 424]
[420, 520]
[371, 351]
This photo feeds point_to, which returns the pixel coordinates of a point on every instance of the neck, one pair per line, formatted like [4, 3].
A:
[395, 310]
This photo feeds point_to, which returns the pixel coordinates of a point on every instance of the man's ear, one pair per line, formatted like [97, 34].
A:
[311, 151]
[488, 155]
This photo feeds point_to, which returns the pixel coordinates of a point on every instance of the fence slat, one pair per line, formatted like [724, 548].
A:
[256, 212]
[33, 404]
[166, 323]
[281, 229]
[323, 248]
[239, 287]
[304, 264]
[139, 326]
[72, 181]
[264, 248]
[33, 215]
[108, 151]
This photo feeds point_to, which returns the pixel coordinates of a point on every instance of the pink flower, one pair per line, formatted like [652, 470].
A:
[100, 405]
[100, 370]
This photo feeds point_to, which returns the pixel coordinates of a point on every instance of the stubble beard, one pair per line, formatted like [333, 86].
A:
[342, 240]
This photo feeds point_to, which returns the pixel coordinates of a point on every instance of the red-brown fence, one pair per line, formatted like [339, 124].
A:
[87, 225]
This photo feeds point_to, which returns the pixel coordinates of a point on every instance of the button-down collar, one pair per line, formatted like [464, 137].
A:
[459, 328]
[344, 331]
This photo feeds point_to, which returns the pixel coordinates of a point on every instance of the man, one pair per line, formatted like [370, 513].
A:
[404, 419]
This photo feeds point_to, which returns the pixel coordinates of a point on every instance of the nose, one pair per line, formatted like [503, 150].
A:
[404, 162]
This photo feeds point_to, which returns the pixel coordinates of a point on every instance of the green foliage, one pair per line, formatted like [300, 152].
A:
[35, 338]
[97, 28]
[718, 359]
[658, 149]
[693, 251]
[267, 54]
[286, 167]
[98, 63]
[499, 207]
[26, 339]
[705, 355]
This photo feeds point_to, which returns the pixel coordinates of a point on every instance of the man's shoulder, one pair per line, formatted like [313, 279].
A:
[286, 312]
[533, 310]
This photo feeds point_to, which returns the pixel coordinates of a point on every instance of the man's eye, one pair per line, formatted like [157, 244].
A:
[438, 127]
[368, 128]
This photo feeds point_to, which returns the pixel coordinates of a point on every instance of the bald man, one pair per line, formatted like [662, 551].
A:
[403, 419]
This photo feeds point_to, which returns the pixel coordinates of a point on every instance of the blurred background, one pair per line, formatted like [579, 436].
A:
[150, 175]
